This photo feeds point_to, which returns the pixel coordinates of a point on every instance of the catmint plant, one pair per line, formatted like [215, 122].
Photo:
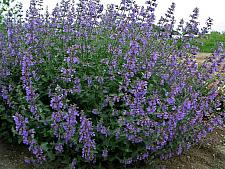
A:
[97, 86]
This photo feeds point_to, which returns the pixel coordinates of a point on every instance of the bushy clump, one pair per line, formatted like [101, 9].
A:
[95, 87]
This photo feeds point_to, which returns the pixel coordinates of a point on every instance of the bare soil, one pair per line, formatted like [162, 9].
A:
[12, 156]
[201, 56]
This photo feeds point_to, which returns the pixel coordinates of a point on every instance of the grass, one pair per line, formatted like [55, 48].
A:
[211, 41]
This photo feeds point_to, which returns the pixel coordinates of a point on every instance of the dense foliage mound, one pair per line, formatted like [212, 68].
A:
[90, 86]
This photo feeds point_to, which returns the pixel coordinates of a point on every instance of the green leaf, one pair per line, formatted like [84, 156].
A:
[44, 146]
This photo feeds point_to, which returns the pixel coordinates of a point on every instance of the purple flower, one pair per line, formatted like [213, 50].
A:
[21, 127]
[95, 111]
[77, 86]
[28, 135]
[74, 163]
[70, 122]
[89, 81]
[56, 103]
[59, 147]
[102, 129]
[171, 100]
[86, 134]
[73, 60]
[179, 150]
[100, 80]
[105, 153]
[57, 116]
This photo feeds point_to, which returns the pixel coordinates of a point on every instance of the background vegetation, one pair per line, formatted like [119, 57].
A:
[211, 41]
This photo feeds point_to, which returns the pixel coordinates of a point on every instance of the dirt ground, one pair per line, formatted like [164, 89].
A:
[12, 157]
[201, 56]
[209, 154]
